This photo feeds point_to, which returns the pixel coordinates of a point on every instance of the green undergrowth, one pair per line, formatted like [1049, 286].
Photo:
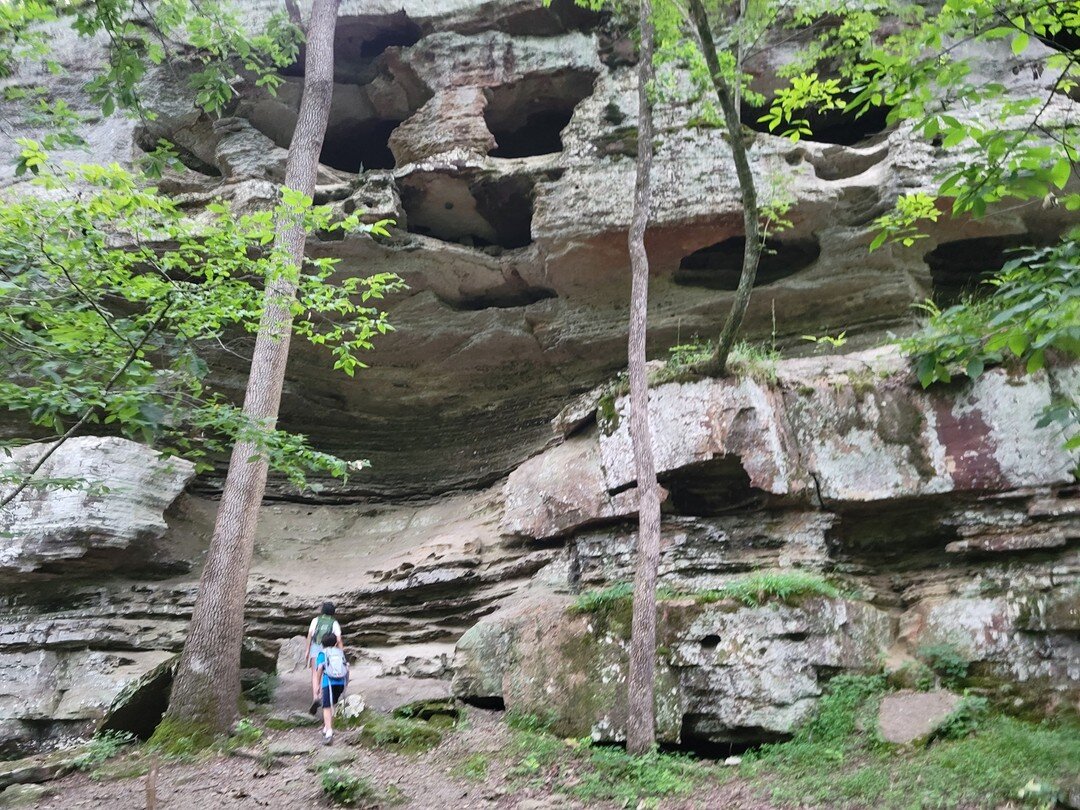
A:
[790, 586]
[593, 774]
[180, 738]
[404, 735]
[977, 759]
[474, 768]
[103, 747]
[116, 755]
[348, 789]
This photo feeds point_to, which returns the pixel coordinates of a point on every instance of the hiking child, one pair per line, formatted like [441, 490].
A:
[320, 626]
[333, 672]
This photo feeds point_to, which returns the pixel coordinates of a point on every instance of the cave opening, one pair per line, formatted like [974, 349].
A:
[363, 146]
[140, 711]
[719, 266]
[508, 296]
[483, 213]
[359, 40]
[551, 19]
[710, 488]
[958, 268]
[527, 117]
[707, 737]
[834, 126]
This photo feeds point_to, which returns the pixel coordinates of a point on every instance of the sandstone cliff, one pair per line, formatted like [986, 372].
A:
[500, 138]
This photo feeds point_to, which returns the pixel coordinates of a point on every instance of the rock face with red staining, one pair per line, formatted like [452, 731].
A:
[500, 138]
[953, 518]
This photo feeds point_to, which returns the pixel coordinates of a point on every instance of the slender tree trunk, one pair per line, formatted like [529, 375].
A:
[717, 363]
[206, 690]
[641, 711]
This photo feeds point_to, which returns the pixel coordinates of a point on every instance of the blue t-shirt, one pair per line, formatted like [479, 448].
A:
[326, 679]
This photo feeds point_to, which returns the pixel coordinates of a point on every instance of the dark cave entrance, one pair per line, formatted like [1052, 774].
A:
[719, 266]
[482, 213]
[710, 488]
[363, 146]
[835, 126]
[959, 268]
[527, 117]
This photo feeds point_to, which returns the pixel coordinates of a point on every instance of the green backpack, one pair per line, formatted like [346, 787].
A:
[323, 625]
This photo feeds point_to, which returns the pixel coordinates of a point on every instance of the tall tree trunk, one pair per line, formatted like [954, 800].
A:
[206, 690]
[641, 716]
[717, 363]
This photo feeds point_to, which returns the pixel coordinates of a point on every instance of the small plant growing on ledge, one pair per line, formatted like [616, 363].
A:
[823, 341]
[348, 789]
[102, 747]
[760, 587]
[946, 660]
[604, 600]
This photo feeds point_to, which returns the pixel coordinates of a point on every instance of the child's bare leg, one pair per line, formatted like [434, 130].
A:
[328, 721]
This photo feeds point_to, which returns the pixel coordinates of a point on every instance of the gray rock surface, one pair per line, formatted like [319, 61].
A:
[908, 717]
[499, 137]
[112, 510]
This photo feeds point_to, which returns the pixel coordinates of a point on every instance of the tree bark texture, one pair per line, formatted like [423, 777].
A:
[206, 689]
[717, 363]
[641, 711]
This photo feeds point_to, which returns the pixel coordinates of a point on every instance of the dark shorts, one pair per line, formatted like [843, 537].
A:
[331, 695]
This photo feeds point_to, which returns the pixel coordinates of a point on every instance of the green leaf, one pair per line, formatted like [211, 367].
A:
[1017, 343]
[975, 367]
[1059, 174]
[1020, 43]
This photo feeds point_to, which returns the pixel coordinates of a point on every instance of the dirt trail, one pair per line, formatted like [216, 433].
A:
[426, 780]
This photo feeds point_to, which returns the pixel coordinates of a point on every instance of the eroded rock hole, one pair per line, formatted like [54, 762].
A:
[365, 146]
[834, 126]
[959, 268]
[719, 266]
[139, 709]
[374, 92]
[709, 488]
[506, 297]
[710, 737]
[147, 139]
[527, 117]
[359, 40]
[481, 213]
[559, 17]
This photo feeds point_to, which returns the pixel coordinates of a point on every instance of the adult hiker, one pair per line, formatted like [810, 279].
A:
[320, 626]
[333, 672]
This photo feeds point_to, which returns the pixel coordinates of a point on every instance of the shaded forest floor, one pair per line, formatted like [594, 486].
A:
[438, 754]
[482, 763]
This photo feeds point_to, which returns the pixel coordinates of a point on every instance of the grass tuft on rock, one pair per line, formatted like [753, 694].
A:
[404, 735]
[760, 587]
[349, 789]
[103, 747]
[604, 600]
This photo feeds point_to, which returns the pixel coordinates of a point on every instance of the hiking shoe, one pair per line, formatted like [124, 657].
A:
[314, 707]
[327, 737]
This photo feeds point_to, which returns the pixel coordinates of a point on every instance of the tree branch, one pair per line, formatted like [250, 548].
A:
[88, 413]
[717, 362]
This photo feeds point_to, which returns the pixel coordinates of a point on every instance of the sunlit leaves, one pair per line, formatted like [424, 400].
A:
[111, 299]
[1033, 308]
[903, 224]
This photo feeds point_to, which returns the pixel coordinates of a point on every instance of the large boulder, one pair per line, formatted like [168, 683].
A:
[726, 672]
[107, 513]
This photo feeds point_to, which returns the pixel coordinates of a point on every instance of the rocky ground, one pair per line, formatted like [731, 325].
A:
[280, 772]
